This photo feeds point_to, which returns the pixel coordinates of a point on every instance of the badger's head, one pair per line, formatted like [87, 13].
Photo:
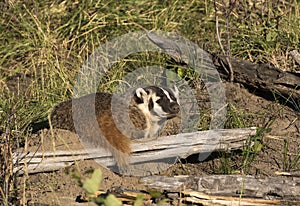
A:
[157, 103]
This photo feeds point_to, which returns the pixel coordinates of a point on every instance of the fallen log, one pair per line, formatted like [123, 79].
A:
[267, 81]
[230, 189]
[153, 152]
[218, 190]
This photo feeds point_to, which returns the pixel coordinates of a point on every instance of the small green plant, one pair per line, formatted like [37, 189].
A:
[139, 200]
[241, 161]
[111, 200]
[253, 146]
[290, 161]
[91, 186]
[235, 117]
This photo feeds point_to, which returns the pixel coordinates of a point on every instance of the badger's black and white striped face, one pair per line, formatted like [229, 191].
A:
[158, 102]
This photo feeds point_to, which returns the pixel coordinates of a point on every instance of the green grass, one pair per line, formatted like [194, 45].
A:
[44, 43]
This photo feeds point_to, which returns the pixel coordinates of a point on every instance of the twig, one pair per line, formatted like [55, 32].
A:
[221, 45]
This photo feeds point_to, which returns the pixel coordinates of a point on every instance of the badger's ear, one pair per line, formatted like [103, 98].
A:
[140, 96]
[176, 92]
[140, 93]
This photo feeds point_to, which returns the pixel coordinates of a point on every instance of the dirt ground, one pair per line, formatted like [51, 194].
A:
[61, 188]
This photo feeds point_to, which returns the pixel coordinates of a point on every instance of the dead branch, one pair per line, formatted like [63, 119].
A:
[230, 189]
[173, 146]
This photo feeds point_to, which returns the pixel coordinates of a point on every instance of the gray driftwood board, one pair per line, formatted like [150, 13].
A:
[230, 189]
[173, 146]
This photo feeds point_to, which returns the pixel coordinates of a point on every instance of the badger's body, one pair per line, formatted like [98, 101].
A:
[119, 119]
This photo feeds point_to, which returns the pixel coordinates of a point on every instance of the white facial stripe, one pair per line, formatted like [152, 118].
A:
[176, 92]
[157, 108]
[159, 111]
[167, 94]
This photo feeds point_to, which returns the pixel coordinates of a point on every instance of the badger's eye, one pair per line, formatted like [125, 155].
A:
[158, 101]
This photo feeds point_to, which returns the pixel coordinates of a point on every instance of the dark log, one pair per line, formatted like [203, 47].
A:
[267, 81]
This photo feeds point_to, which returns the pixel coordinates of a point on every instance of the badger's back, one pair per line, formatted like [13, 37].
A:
[62, 114]
[97, 105]
[96, 123]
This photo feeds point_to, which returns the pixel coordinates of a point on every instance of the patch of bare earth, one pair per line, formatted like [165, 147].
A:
[61, 188]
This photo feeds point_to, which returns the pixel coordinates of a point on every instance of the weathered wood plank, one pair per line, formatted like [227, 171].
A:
[231, 186]
[181, 146]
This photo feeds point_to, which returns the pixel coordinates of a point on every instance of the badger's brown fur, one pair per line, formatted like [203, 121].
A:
[147, 108]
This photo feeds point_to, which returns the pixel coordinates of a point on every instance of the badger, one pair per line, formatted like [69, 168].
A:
[114, 121]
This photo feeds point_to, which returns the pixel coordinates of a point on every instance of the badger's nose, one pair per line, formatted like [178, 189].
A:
[175, 108]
